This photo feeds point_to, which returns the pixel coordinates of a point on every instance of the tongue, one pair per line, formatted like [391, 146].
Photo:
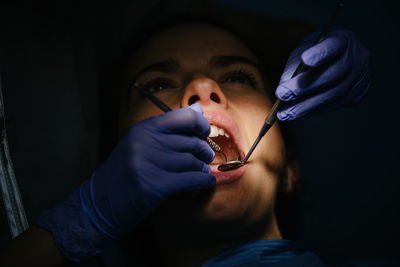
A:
[228, 147]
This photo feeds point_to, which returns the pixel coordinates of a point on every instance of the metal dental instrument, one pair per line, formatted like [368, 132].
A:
[10, 192]
[271, 118]
[165, 108]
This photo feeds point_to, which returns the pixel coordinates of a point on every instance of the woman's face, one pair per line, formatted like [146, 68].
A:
[204, 64]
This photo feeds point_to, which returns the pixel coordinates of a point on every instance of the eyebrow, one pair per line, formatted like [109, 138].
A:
[219, 61]
[166, 66]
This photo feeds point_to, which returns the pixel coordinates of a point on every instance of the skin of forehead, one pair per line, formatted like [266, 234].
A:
[192, 44]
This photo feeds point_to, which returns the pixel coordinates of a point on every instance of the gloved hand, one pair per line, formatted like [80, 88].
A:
[338, 74]
[158, 157]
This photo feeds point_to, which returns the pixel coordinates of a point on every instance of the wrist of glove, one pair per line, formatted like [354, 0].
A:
[158, 157]
[73, 230]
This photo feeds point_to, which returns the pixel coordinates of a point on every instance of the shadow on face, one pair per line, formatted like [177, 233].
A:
[208, 65]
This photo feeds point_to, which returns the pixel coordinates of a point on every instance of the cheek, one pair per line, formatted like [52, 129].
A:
[263, 183]
[251, 111]
[271, 150]
[140, 111]
[251, 114]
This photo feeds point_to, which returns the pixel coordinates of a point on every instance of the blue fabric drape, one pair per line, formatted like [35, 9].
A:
[276, 253]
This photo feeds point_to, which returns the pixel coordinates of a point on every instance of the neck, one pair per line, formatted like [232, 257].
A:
[189, 245]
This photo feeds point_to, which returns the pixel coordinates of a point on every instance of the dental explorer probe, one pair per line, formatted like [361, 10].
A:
[165, 108]
[271, 118]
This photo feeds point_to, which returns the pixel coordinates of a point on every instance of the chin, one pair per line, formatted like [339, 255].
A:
[246, 199]
[235, 211]
[226, 202]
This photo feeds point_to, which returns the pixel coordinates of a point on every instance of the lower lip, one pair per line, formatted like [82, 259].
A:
[227, 177]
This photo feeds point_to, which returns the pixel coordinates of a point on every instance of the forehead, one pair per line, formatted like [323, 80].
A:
[191, 44]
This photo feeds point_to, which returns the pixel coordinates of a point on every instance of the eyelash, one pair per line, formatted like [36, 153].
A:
[159, 82]
[249, 77]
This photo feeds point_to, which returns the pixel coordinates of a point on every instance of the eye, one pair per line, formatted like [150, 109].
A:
[158, 84]
[240, 76]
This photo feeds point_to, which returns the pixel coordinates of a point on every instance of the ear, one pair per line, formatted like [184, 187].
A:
[291, 176]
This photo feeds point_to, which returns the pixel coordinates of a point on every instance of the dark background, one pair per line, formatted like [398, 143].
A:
[49, 61]
[350, 205]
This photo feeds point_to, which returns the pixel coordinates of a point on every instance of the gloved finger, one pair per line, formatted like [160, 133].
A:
[191, 144]
[303, 107]
[196, 107]
[354, 96]
[325, 51]
[290, 68]
[299, 109]
[295, 56]
[314, 80]
[309, 39]
[189, 181]
[172, 161]
[184, 121]
[347, 92]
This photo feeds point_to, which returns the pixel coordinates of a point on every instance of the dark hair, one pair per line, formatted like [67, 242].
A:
[286, 209]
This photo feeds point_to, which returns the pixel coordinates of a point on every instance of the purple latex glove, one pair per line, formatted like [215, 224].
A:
[158, 157]
[338, 73]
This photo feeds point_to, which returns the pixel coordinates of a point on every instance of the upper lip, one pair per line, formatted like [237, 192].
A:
[222, 120]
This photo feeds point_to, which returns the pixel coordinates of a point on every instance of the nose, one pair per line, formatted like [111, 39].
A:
[204, 91]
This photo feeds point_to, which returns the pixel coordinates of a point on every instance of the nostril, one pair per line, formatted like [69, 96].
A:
[193, 99]
[214, 97]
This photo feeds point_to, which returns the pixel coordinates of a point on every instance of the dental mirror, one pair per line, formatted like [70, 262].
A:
[271, 118]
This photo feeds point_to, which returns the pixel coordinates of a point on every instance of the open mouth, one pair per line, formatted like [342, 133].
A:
[221, 137]
[225, 133]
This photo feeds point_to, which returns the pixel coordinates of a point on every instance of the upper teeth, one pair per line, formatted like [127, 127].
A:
[215, 131]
